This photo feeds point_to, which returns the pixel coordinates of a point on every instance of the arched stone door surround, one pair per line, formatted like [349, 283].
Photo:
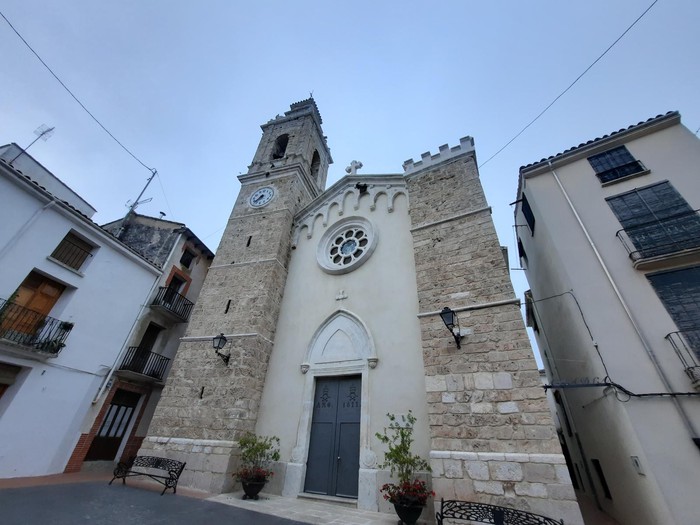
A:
[341, 346]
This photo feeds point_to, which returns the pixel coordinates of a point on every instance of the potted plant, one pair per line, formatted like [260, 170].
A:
[410, 495]
[257, 453]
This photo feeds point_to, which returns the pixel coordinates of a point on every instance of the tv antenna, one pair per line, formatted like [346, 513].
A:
[134, 205]
[43, 132]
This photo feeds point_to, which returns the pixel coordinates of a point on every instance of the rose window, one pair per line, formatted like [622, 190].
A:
[346, 246]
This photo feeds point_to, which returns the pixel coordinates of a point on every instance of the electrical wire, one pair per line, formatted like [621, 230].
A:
[570, 85]
[162, 188]
[72, 95]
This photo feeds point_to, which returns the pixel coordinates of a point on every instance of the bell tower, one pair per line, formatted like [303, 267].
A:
[208, 404]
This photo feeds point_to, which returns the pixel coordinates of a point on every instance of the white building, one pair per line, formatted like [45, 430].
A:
[609, 237]
[80, 316]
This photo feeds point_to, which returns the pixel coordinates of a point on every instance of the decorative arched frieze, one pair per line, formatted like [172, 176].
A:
[350, 195]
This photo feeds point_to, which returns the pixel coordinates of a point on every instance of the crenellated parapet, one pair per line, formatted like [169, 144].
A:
[347, 193]
[466, 145]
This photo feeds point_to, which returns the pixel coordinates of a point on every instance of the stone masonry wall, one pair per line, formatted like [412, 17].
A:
[492, 437]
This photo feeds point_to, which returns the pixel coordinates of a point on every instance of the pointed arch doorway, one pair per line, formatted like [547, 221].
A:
[337, 367]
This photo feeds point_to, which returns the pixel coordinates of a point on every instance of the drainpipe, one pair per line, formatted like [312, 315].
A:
[8, 246]
[647, 347]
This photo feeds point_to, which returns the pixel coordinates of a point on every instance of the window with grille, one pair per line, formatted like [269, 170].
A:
[527, 213]
[614, 164]
[657, 219]
[73, 251]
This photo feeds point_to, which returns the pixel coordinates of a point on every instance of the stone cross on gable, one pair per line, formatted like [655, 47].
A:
[354, 166]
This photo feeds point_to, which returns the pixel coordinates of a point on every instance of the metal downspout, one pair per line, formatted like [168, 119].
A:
[647, 348]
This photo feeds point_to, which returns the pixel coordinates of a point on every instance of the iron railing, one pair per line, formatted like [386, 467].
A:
[32, 329]
[71, 254]
[686, 344]
[143, 361]
[662, 236]
[173, 302]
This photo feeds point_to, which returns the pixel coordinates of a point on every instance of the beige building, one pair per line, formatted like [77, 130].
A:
[609, 237]
[330, 302]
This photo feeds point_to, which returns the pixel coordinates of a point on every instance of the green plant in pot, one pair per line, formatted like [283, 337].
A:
[257, 455]
[410, 495]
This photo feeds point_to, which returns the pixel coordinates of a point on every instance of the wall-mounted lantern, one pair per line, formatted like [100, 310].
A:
[219, 342]
[449, 317]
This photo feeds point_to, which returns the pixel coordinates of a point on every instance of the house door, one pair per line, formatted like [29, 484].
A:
[107, 441]
[334, 449]
[37, 295]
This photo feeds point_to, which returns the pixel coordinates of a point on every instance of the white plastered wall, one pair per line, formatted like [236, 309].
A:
[380, 296]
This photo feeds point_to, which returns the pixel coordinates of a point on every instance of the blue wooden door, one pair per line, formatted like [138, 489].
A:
[334, 449]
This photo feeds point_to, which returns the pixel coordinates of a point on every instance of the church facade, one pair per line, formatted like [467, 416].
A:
[330, 303]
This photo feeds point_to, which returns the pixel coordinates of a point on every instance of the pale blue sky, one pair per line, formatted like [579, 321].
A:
[185, 85]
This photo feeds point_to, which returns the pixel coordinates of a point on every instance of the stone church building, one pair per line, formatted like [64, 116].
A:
[330, 303]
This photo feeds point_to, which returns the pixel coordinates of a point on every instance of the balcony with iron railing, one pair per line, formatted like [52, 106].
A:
[676, 237]
[32, 330]
[686, 344]
[172, 303]
[144, 362]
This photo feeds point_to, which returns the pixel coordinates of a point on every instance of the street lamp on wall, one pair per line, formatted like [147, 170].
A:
[219, 342]
[449, 317]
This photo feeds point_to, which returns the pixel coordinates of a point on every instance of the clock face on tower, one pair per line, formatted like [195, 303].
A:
[261, 197]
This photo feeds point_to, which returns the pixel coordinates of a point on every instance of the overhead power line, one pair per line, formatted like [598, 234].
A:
[74, 97]
[571, 85]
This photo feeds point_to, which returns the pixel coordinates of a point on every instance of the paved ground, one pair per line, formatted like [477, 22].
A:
[97, 503]
[85, 497]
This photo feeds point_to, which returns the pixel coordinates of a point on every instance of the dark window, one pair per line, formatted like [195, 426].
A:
[601, 478]
[657, 219]
[527, 213]
[72, 251]
[615, 164]
[187, 258]
[521, 251]
[530, 317]
[315, 166]
[560, 402]
[280, 146]
[679, 291]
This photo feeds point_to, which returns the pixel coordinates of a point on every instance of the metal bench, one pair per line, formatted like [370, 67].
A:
[150, 466]
[485, 513]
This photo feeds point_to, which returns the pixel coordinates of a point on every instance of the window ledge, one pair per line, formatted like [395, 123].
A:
[64, 265]
[678, 258]
[627, 177]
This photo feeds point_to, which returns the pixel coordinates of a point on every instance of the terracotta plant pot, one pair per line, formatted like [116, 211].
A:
[408, 515]
[252, 488]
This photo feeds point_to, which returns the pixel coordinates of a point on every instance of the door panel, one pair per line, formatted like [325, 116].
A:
[349, 464]
[38, 294]
[107, 441]
[334, 448]
[320, 458]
